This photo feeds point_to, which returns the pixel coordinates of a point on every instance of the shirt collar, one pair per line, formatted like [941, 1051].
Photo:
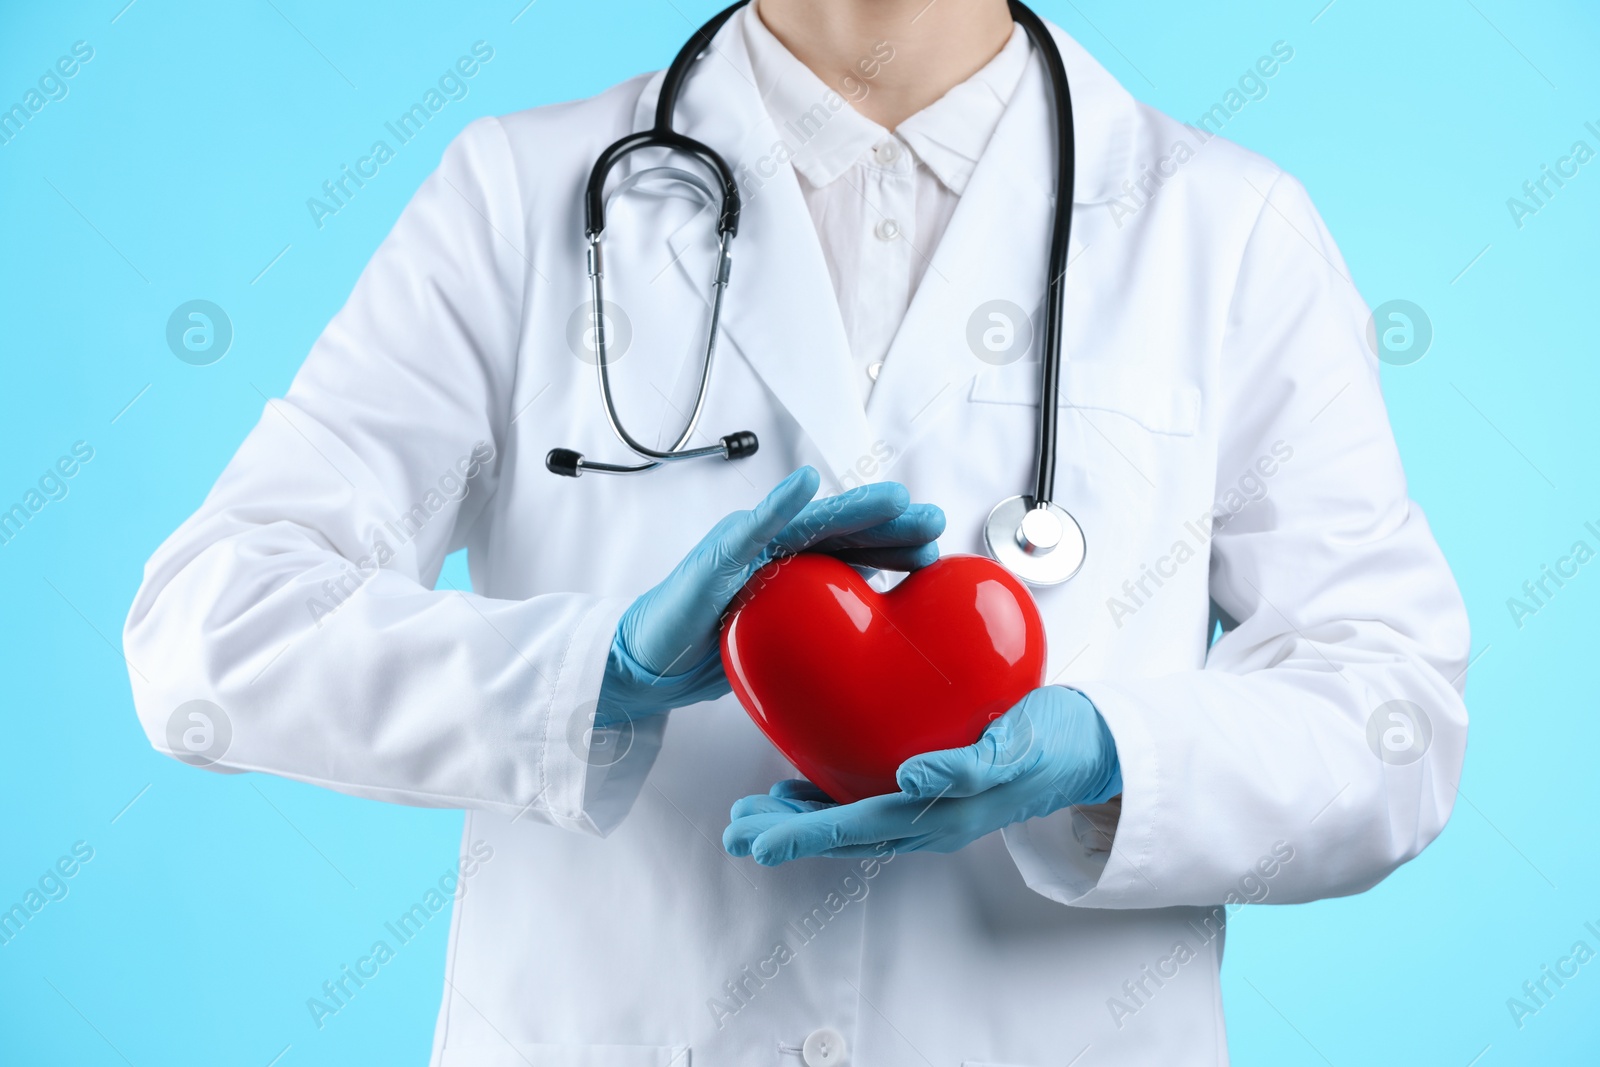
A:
[825, 136]
[950, 134]
[721, 107]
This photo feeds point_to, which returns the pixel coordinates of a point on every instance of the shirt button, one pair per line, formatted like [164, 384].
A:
[875, 369]
[824, 1048]
[886, 152]
[887, 229]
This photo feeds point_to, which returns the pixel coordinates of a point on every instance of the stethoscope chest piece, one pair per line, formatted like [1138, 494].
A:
[1040, 545]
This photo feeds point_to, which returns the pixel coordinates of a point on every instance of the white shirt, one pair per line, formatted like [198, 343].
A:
[880, 200]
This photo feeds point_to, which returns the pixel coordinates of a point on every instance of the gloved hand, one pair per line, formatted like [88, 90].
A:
[666, 650]
[1049, 751]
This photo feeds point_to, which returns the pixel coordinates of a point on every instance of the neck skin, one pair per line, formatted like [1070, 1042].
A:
[890, 58]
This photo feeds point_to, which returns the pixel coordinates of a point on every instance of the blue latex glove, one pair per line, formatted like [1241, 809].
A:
[1049, 751]
[666, 650]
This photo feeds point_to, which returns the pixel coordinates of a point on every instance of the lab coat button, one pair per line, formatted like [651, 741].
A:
[875, 369]
[886, 151]
[887, 230]
[824, 1048]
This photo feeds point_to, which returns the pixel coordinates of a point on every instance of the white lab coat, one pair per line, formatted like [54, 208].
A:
[1212, 337]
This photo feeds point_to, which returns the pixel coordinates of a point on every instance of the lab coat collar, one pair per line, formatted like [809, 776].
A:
[781, 312]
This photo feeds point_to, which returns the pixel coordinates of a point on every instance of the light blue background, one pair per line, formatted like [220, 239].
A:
[178, 168]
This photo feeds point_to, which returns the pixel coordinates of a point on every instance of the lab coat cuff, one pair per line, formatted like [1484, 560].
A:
[1097, 856]
[591, 776]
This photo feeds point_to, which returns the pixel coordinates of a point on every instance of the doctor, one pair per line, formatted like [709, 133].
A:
[1223, 442]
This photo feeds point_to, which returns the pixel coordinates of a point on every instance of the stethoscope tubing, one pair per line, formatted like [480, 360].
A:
[603, 365]
[1060, 244]
[662, 135]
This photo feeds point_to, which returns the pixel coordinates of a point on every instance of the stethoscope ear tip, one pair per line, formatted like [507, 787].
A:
[740, 444]
[564, 461]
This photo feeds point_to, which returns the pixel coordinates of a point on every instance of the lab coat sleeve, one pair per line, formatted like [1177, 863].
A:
[1286, 743]
[299, 599]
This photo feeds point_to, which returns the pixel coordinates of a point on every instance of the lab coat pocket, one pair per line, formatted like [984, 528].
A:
[509, 1055]
[1163, 407]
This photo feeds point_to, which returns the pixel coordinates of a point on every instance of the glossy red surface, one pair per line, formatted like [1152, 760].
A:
[848, 682]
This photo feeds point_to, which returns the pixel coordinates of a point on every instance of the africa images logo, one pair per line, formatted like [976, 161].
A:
[199, 733]
[1399, 732]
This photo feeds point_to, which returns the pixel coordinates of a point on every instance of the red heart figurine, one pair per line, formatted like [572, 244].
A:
[849, 683]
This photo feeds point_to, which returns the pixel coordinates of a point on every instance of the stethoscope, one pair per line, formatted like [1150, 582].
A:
[1031, 535]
